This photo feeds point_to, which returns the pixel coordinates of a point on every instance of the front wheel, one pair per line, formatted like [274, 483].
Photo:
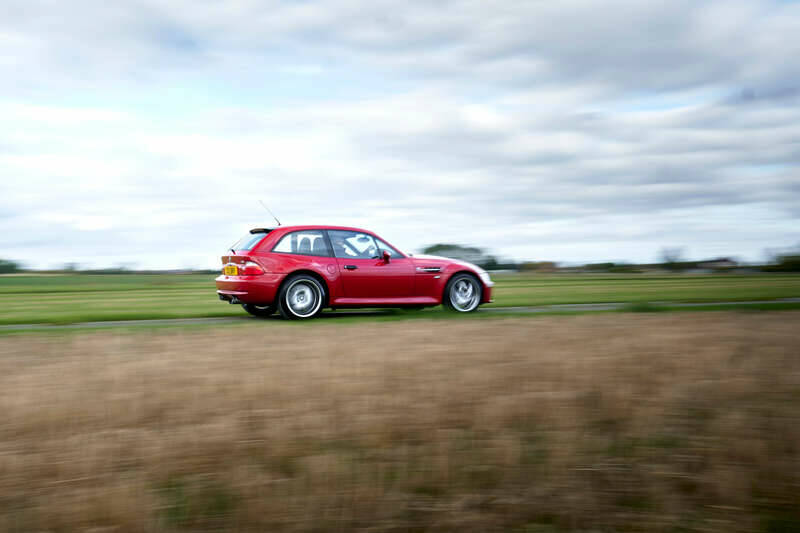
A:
[259, 310]
[301, 297]
[463, 293]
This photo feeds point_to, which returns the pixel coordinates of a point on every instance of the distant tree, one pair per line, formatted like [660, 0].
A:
[490, 263]
[471, 254]
[624, 268]
[784, 263]
[538, 266]
[456, 251]
[771, 255]
[9, 267]
[783, 260]
[672, 258]
[599, 267]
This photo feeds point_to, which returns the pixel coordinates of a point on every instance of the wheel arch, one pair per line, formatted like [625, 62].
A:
[313, 274]
[446, 283]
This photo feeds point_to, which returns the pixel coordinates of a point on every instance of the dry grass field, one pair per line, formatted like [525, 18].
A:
[635, 422]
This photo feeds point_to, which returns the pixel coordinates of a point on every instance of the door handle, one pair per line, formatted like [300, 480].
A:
[350, 267]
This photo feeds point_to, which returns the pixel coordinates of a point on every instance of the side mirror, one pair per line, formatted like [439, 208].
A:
[386, 256]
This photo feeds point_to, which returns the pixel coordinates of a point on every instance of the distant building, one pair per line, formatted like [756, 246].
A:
[716, 264]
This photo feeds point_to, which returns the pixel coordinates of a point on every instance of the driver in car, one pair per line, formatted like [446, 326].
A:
[339, 248]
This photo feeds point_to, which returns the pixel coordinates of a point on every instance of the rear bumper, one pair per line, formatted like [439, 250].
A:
[248, 289]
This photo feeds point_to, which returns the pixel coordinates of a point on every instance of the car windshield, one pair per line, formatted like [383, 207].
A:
[249, 241]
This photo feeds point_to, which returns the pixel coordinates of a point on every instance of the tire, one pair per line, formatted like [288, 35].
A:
[301, 297]
[463, 293]
[259, 310]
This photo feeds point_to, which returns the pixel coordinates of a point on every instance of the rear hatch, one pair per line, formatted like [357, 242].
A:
[238, 262]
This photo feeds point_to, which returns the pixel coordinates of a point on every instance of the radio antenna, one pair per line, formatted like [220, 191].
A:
[270, 212]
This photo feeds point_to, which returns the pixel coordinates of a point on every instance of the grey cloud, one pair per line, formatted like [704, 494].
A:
[623, 45]
[656, 166]
[523, 114]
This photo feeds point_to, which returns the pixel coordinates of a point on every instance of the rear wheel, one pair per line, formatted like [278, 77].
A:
[463, 293]
[301, 297]
[259, 310]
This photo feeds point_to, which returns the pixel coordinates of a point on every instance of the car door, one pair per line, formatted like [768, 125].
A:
[364, 273]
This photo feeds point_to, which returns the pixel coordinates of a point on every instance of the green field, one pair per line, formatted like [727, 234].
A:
[82, 297]
[543, 289]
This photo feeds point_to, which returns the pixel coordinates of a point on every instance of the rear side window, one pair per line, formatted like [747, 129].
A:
[249, 241]
[310, 242]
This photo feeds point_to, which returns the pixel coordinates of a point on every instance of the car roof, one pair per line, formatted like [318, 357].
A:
[318, 227]
[280, 231]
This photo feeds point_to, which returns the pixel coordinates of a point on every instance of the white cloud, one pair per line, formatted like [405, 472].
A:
[542, 130]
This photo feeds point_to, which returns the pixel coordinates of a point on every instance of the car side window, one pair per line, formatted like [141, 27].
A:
[308, 242]
[353, 245]
[382, 246]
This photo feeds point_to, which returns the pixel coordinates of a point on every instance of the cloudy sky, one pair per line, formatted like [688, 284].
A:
[144, 132]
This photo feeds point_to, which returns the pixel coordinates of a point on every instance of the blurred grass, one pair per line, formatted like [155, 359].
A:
[81, 298]
[543, 289]
[86, 298]
[601, 423]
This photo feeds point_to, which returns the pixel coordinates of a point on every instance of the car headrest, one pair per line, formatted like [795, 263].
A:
[319, 247]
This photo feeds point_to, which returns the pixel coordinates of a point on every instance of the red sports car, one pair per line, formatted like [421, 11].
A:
[299, 270]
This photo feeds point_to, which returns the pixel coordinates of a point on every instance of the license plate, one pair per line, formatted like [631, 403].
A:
[230, 270]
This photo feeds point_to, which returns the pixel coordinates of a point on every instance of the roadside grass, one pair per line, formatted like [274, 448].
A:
[610, 422]
[377, 316]
[734, 307]
[62, 299]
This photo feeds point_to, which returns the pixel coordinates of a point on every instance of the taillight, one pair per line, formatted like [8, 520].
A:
[250, 269]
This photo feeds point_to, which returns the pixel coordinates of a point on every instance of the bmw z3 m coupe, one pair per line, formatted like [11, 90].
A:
[300, 270]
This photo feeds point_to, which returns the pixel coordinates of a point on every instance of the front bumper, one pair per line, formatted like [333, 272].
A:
[248, 289]
[487, 293]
